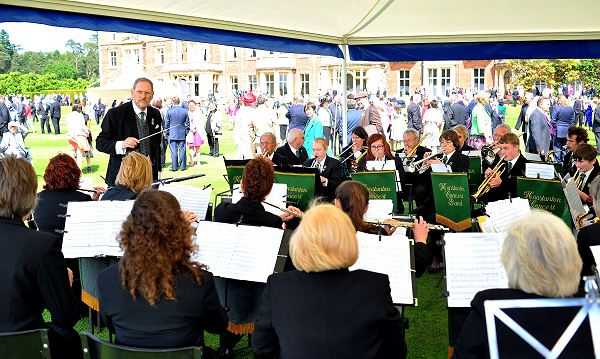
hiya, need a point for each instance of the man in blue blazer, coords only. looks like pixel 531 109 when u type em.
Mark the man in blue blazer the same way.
pixel 540 129
pixel 177 116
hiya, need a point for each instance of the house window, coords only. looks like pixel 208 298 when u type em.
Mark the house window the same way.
pixel 234 83
pixel 270 84
pixel 251 53
pixel 439 81
pixel 215 86
pixel 305 84
pixel 360 80
pixel 403 82
pixel 159 56
pixel 133 56
pixel 252 82
pixel 479 79
pixel 283 83
pixel 232 53
pixel 113 59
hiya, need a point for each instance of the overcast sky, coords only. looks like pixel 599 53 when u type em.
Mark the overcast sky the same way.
pixel 37 37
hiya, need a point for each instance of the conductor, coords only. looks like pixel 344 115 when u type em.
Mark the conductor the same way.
pixel 124 126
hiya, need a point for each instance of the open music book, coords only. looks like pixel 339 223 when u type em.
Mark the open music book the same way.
pixel 277 196
pixel 539 170
pixel 502 213
pixel 392 256
pixel 192 199
pixel 238 252
pixel 472 265
pixel 92 228
pixel 379 209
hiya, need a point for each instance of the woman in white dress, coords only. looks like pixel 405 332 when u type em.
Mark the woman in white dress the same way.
pixel 433 123
pixel 399 125
pixel 195 138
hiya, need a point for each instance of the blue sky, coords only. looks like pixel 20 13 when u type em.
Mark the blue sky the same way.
pixel 37 37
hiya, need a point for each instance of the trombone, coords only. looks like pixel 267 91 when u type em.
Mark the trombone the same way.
pixel 354 162
pixel 484 187
pixel 412 152
pixel 420 164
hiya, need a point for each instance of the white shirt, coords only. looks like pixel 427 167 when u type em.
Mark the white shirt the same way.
pixel 119 144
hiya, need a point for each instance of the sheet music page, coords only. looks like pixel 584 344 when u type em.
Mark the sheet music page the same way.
pixel 486 225
pixel 238 252
pixel 92 228
pixel 472 264
pixel 474 153
pixel 278 197
pixel 532 157
pixel 87 183
pixel 192 199
pixel 573 200
pixel 544 170
pixel 502 213
pixel 596 254
pixel 440 167
pixel 391 256
pixel 379 209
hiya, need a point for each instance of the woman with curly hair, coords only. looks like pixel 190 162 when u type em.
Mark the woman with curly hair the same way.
pixel 157 296
pixel 243 298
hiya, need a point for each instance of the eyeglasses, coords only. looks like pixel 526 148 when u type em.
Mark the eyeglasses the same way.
pixel 376 147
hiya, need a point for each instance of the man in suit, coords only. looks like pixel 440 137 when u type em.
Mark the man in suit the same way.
pixel 177 117
pixel 370 116
pixel 293 152
pixel 596 127
pixel 4 117
pixel 522 119
pixel 505 185
pixel 590 235
pixel 42 109
pixel 124 126
pixel 587 169
pixel 458 110
pixel 540 129
pixel 296 115
pixel 99 109
pixel 414 113
pixel 576 136
pixel 268 144
pixel 579 111
pixel 451 156
pixel 330 169
pixel 352 119
pixel 55 114
pixel 336 112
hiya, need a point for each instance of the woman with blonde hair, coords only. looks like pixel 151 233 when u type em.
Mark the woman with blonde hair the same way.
pixel 323 310
pixel 541 261
pixel 134 175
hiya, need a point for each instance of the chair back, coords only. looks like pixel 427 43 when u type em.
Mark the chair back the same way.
pixel 26 344
pixel 95 348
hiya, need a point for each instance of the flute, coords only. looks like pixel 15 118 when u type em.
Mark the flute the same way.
pixel 92 190
pixel 295 214
pixel 395 223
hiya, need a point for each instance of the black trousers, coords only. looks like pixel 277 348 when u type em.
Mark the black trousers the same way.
pixel 56 125
pixel 213 143
pixel 45 122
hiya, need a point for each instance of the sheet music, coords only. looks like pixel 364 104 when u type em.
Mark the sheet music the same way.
pixel 278 197
pixel 440 167
pixel 486 225
pixel 92 228
pixel 192 199
pixel 391 256
pixel 596 254
pixel 475 153
pixel 87 183
pixel 576 207
pixel 545 171
pixel 379 209
pixel 532 157
pixel 472 264
pixel 238 252
pixel 387 165
pixel 502 213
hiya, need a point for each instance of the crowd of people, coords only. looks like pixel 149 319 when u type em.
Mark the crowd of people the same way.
pixel 156 296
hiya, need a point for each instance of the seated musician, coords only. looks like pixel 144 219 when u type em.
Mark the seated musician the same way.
pixel 413 152
pixel 590 235
pixel 463 135
pixel 353 198
pixel 33 275
pixel 350 155
pixel 501 130
pixel 243 298
pixel 268 144
pixel 576 136
pixel 323 310
pixel 292 153
pixel 587 169
pixel 330 169
pixel 505 185
pixel 541 261
pixel 411 145
pixel 451 154
pixel 135 174
pixel 157 296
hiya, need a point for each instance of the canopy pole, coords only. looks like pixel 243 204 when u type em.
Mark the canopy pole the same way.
pixel 344 96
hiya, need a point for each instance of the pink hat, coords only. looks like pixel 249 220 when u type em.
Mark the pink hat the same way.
pixel 248 98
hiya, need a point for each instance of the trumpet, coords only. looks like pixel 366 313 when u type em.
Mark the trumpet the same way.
pixel 420 165
pixel 484 187
pixel 412 152
pixel 585 219
pixel 396 223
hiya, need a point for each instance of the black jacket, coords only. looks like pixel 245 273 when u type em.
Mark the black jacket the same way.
pixel 334 173
pixel 332 314
pixel 588 236
pixel 119 193
pixel 284 156
pixel 509 182
pixel 120 123
pixel 248 212
pixel 51 204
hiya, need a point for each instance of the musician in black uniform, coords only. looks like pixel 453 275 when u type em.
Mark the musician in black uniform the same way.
pixel 330 168
pixel 505 185
pixel 411 147
pixel 587 169
pixel 292 153
pixel 575 136
pixel 500 131
pixel 590 235
pixel 351 153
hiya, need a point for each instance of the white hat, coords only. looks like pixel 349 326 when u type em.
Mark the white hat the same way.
pixel 13 124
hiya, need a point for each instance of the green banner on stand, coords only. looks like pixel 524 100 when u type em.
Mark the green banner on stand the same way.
pixel 235 170
pixel 301 187
pixel 545 194
pixel 474 171
pixel 452 201
pixel 381 184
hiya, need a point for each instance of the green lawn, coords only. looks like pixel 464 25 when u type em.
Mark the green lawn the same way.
pixel 427 336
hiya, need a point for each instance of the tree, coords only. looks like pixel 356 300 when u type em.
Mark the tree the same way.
pixel 7 51
pixel 590 71
pixel 566 71
pixel 62 69
pixel 90 60
pixel 77 50
pixel 527 72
